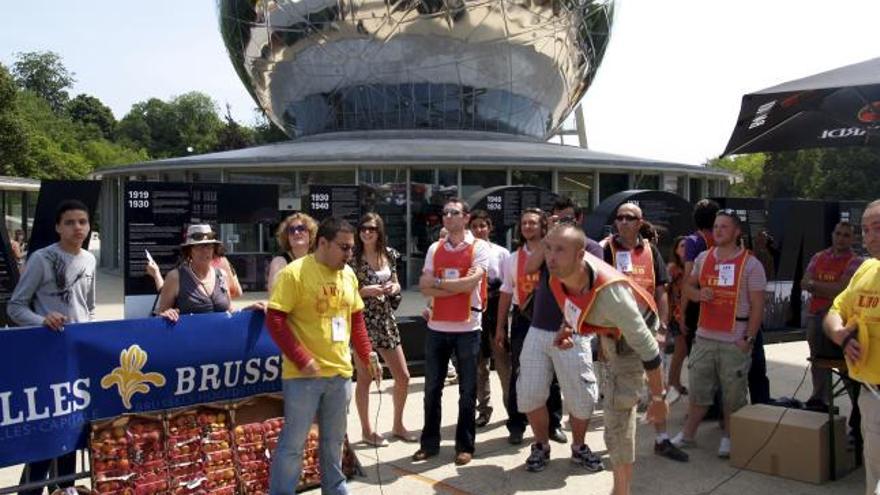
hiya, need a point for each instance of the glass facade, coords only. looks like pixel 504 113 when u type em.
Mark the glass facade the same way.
pixel 612 184
pixel 495 65
pixel 473 181
pixel 578 186
pixel 696 189
pixel 646 181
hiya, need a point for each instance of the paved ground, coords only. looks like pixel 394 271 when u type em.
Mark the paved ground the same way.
pixel 498 466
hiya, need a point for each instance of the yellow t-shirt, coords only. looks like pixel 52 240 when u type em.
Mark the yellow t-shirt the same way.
pixel 319 302
pixel 861 300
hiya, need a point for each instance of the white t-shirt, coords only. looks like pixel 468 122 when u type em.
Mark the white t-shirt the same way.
pixel 481 259
pixel 497 261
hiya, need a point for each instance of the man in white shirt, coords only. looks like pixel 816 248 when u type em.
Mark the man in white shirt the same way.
pixel 452 277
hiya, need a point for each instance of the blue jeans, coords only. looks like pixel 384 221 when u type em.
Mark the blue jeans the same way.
pixel 439 348
pixel 304 398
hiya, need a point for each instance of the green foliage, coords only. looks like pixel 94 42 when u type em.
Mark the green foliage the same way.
pixel 45 74
pixel 13 138
pixel 88 110
pixel 44 134
pixel 828 173
pixel 750 170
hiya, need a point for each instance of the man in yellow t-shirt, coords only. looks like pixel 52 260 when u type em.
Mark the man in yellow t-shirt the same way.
pixel 853 322
pixel 315 312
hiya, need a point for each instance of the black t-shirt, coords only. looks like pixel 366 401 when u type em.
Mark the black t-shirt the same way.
pixel 661 274
pixel 546 314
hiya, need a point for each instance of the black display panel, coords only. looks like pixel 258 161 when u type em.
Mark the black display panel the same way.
pixel 156 215
pixel 506 203
pixel 52 194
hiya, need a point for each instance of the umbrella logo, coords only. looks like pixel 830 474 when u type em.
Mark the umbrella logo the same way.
pixel 870 113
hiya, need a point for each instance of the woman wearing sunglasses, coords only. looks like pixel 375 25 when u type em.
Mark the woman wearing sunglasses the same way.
pixel 296 238
pixel 197 285
pixel 374 263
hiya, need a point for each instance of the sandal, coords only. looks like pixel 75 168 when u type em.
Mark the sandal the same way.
pixel 408 437
pixel 375 440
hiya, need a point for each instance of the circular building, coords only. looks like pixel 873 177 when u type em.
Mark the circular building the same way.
pixel 421 99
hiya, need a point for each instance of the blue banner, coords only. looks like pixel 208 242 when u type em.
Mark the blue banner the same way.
pixel 52 384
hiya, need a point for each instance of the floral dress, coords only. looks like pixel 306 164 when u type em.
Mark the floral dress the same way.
pixel 379 311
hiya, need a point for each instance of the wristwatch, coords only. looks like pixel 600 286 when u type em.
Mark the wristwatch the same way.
pixel 437 282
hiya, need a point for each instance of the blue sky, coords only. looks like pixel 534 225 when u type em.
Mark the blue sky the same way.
pixel 669 87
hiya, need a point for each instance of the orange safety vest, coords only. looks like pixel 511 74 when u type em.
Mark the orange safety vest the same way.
pixel 828 268
pixel 525 282
pixel 452 265
pixel 642 264
pixel 719 314
pixel 605 276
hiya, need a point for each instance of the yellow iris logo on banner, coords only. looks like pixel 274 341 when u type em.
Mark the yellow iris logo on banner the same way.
pixel 128 377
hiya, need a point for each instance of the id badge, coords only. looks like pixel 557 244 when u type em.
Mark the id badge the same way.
pixel 572 314
pixel 339 326
pixel 450 273
pixel 726 275
pixel 624 261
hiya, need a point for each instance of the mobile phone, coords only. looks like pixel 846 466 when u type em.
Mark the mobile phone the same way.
pixel 149 258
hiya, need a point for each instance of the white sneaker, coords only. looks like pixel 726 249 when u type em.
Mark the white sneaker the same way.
pixel 724 448
pixel 681 442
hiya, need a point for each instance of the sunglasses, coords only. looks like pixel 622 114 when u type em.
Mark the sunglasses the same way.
pixel 369 229
pixel 297 229
pixel 627 218
pixel 201 236
pixel 451 212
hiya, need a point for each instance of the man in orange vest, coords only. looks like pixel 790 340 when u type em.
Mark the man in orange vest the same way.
pixel 853 323
pixel 518 286
pixel 452 276
pixel 641 261
pixel 729 284
pixel 827 275
pixel 596 300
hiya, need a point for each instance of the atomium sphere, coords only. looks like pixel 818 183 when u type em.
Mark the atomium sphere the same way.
pixel 512 66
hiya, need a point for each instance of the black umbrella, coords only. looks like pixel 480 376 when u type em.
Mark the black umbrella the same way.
pixel 840 107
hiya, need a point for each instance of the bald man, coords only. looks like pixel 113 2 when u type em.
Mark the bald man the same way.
pixel 596 300
pixel 642 262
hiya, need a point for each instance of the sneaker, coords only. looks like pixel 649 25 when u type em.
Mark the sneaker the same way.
pixel 666 449
pixel 585 458
pixel 483 419
pixel 681 442
pixel 724 448
pixel 538 458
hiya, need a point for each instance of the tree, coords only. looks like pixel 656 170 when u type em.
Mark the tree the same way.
pixel 13 137
pixel 266 132
pixel 45 74
pixel 750 169
pixel 233 136
pixel 88 110
pixel 187 124
pixel 197 121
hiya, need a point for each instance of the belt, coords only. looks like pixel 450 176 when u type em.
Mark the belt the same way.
pixel 742 318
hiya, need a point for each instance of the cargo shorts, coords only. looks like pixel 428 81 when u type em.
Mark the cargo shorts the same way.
pixel 713 364
pixel 624 381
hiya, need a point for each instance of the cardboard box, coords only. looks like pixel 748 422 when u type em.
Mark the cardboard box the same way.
pixel 797 448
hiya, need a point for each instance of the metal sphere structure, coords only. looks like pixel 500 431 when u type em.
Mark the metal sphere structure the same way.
pixel 512 66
